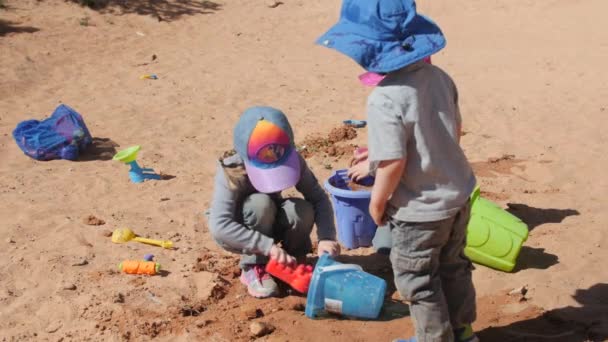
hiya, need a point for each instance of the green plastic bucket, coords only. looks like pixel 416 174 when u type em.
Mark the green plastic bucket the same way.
pixel 494 236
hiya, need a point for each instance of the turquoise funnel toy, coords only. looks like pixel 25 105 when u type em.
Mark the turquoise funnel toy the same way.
pixel 136 173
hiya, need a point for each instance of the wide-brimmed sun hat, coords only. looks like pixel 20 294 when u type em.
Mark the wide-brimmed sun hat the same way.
pixel 383 35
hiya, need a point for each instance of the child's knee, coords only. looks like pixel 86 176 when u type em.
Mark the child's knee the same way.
pixel 298 214
pixel 418 287
pixel 259 212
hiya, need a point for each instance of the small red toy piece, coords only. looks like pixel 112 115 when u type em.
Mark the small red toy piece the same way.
pixel 298 278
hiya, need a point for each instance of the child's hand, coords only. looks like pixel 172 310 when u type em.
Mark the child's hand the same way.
pixel 277 253
pixel 359 164
pixel 359 171
pixel 330 247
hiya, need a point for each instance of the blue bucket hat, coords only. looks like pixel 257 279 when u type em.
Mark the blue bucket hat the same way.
pixel 383 35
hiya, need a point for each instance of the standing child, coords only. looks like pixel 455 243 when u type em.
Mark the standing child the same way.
pixel 423 179
pixel 248 214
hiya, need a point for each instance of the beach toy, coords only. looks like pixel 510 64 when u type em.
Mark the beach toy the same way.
pixel 123 235
pixel 148 257
pixel 356 228
pixel 136 173
pixel 148 77
pixel 360 150
pixel 494 236
pixel 298 278
pixel 344 289
pixel 355 123
pixel 139 267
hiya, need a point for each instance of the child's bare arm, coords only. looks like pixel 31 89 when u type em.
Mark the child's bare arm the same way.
pixel 388 175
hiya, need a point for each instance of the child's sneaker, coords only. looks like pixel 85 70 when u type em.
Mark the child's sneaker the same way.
pixel 465 334
pixel 259 283
pixel 462 334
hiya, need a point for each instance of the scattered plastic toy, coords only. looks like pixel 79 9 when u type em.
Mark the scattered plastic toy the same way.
pixel 148 77
pixel 355 226
pixel 360 150
pixel 139 267
pixel 149 257
pixel 355 123
pixel 136 173
pixel 124 235
pixel 298 278
pixel 344 289
pixel 494 236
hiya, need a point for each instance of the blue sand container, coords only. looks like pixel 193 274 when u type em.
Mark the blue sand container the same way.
pixel 494 236
pixel 356 228
pixel 355 123
pixel 344 289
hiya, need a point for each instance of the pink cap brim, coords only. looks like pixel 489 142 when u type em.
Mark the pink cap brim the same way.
pixel 275 179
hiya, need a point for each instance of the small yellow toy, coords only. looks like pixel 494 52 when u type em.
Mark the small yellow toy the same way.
pixel 124 235
pixel 148 77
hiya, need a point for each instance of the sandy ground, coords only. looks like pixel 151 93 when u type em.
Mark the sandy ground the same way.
pixel 533 88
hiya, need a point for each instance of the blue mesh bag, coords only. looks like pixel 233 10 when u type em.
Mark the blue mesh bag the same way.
pixel 61 136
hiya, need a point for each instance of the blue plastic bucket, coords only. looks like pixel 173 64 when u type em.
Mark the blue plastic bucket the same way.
pixel 356 228
pixel 344 289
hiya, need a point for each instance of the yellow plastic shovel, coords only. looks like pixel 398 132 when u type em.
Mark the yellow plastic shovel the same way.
pixel 124 235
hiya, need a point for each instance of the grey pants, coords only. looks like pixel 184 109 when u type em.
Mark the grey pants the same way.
pixel 432 272
pixel 289 221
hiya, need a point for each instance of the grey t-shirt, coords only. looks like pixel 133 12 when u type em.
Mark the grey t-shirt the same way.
pixel 231 188
pixel 413 114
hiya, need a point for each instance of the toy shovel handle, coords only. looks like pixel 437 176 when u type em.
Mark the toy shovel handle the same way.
pixel 163 244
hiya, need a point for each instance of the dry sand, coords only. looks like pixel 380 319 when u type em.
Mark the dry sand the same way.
pixel 533 88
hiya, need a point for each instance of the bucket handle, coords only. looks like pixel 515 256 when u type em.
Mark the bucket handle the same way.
pixel 337 268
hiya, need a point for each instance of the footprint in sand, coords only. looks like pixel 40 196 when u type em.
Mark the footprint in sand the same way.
pixel 495 167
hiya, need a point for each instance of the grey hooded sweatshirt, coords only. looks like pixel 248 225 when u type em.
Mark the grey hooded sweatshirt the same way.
pixel 232 187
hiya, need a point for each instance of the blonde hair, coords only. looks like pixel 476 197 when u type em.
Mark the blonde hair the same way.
pixel 235 174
